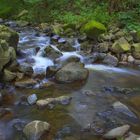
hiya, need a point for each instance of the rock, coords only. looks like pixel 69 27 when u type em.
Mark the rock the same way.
pixel 32 99
pixel 55 38
pixel 18 124
pixel 35 129
pixel 119 107
pixel 61 40
pixel 63 100
pixel 8 76
pixel 22 23
pixel 119 34
pixel 27 83
pixel 11 24
pixel 52 53
pixel 117 132
pixel 95 57
pixel 57 29
pixel 93 29
pixel 1 20
pixel 69 32
pixel 70 59
pixel 86 46
pixel 82 38
pixel 121 46
pixel 103 47
pixel 9 35
pixel 124 57
pixel 111 60
pixel 136 36
pixel 7 54
pixel 129 38
pixel 46 85
pixel 43 26
pixel 6 113
pixel 131 59
pixel 107 37
pixel 19 75
pixel 137 62
pixel 66 47
pixel 72 72
pixel 13 66
pixel 51 71
pixel 136 50
pixel 132 136
pixel 26 69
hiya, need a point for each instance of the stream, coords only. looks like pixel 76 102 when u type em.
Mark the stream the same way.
pixel 90 113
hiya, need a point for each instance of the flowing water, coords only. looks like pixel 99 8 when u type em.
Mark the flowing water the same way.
pixel 90 113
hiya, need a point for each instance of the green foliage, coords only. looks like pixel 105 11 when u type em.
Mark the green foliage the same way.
pixel 73 11
pixel 8 8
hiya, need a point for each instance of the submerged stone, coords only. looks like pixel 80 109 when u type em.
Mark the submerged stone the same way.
pixel 119 107
pixel 35 129
pixel 117 132
pixel 63 100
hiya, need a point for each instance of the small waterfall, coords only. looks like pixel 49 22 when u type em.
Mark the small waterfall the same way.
pixel 29 42
pixel 77 45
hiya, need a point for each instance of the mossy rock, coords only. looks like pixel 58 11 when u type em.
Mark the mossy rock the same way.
pixel 93 29
pixel 7 54
pixel 136 50
pixel 121 46
pixel 9 35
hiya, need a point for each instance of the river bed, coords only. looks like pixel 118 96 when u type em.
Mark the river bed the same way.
pixel 90 113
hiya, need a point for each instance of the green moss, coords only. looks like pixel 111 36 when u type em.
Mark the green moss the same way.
pixel 93 29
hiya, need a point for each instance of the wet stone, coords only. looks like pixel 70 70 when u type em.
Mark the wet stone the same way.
pixel 63 132
pixel 117 132
pixel 18 124
pixel 32 99
pixel 119 107
pixel 35 129
pixel 61 40
pixel 6 113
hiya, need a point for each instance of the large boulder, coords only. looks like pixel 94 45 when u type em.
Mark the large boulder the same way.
pixel 121 46
pixel 7 54
pixel 72 72
pixel 136 50
pixel 93 29
pixel 35 129
pixel 9 35
pixel 111 60
pixel 8 76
